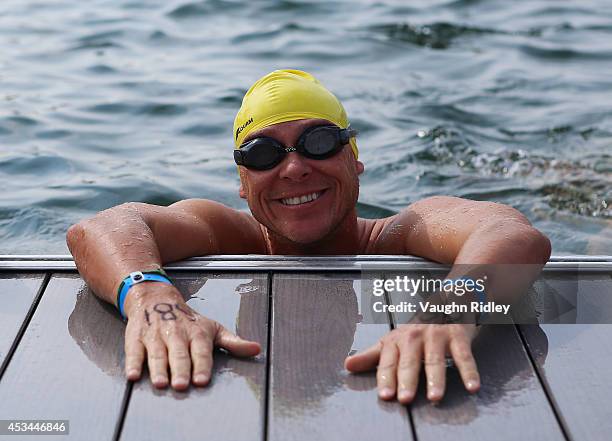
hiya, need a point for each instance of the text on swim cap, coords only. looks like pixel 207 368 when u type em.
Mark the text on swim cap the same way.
pixel 242 127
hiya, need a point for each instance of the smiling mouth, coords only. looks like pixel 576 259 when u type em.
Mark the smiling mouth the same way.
pixel 299 200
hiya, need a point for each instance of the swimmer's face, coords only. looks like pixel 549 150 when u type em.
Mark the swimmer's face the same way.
pixel 334 180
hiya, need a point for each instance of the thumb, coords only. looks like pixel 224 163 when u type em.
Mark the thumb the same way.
pixel 236 345
pixel 365 360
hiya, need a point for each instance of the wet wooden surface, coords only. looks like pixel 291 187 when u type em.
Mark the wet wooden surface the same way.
pixel 17 293
pixel 574 359
pixel 510 395
pixel 315 325
pixel 68 364
pixel 510 405
pixel 538 382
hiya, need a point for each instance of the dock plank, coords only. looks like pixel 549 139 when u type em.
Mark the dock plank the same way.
pixel 511 396
pixel 17 293
pixel 316 323
pixel 66 366
pixel 574 359
pixel 510 405
pixel 232 407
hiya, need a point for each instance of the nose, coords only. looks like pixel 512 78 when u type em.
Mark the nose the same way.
pixel 295 167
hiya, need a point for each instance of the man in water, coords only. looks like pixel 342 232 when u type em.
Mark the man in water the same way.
pixel 299 172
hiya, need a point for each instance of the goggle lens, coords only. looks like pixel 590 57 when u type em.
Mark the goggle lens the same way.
pixel 264 154
pixel 320 142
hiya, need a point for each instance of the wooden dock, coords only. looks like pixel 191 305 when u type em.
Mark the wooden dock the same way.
pixel 61 357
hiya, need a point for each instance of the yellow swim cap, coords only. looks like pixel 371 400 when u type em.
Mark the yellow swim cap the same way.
pixel 287 95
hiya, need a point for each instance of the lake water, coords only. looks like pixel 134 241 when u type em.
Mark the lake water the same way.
pixel 111 101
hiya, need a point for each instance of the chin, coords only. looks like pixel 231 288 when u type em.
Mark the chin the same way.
pixel 304 233
pixel 304 239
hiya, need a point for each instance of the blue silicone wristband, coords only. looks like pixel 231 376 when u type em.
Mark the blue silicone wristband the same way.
pixel 134 279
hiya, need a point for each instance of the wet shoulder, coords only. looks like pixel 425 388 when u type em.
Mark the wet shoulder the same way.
pixel 383 236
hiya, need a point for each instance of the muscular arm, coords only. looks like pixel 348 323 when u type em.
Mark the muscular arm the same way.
pixel 460 231
pixel 474 237
pixel 137 237
pixel 477 237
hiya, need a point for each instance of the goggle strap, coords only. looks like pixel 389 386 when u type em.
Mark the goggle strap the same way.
pixel 347 134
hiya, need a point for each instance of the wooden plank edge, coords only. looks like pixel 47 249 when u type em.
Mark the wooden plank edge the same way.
pixel 25 323
pixel 545 385
pixel 265 435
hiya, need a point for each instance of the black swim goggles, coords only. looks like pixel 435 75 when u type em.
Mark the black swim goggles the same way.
pixel 318 142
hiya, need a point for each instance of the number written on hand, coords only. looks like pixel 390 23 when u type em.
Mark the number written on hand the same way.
pixel 165 311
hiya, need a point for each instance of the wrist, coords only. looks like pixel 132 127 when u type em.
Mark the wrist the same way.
pixel 135 278
pixel 463 293
pixel 144 294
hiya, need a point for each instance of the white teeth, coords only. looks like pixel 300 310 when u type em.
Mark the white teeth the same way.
pixel 301 199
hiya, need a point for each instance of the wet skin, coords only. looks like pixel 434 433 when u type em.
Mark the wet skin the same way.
pixel 443 229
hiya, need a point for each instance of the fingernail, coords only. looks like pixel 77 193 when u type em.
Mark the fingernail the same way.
pixel 132 373
pixel 160 380
pixel 180 383
pixel 435 393
pixel 386 392
pixel 404 395
pixel 200 379
pixel 472 385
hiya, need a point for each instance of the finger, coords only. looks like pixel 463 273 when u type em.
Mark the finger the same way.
pixel 365 360
pixel 236 345
pixel 201 354
pixel 157 357
pixel 386 374
pixel 461 351
pixel 134 357
pixel 435 362
pixel 180 362
pixel 411 353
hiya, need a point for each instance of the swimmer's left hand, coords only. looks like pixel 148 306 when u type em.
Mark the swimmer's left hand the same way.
pixel 399 354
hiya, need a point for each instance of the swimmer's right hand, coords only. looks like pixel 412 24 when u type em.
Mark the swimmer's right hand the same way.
pixel 168 332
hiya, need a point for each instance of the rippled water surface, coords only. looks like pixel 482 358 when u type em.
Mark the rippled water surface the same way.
pixel 111 101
